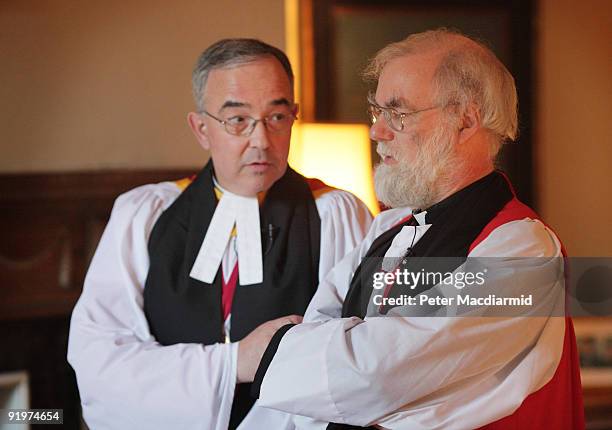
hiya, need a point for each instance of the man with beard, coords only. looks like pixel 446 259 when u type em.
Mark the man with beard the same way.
pixel 192 278
pixel 442 108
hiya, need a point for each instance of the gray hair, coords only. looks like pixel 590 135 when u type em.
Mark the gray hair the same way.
pixel 469 72
pixel 230 52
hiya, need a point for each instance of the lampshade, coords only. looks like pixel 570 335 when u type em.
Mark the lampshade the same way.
pixel 337 154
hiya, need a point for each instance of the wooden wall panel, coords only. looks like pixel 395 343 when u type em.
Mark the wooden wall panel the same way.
pixel 50 225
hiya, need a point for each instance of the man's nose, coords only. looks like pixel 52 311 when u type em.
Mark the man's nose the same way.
pixel 259 137
pixel 380 130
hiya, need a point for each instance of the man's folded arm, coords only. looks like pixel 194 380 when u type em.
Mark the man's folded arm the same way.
pixel 333 286
pixel 425 372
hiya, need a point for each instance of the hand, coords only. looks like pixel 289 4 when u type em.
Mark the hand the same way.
pixel 252 347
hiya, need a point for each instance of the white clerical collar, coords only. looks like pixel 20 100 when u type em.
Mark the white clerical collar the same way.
pixel 420 217
pixel 243 212
pixel 402 243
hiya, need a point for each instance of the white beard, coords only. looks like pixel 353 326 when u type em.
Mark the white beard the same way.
pixel 420 183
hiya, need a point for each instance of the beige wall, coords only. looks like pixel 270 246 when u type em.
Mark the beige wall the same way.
pixel 91 85
pixel 574 138
pixel 106 84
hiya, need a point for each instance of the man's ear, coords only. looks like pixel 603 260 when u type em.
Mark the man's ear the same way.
pixel 470 122
pixel 199 129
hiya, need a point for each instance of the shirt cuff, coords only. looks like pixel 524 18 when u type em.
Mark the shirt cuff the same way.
pixel 267 359
pixel 233 353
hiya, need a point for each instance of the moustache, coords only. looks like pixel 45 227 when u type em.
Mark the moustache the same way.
pixel 256 157
pixel 384 151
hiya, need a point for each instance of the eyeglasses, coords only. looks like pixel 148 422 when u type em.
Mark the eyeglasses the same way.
pixel 243 125
pixel 394 118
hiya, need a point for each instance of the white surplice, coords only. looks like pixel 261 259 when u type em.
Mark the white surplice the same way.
pixel 426 372
pixel 126 379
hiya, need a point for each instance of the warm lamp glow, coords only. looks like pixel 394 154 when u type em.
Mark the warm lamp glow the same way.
pixel 292 45
pixel 337 154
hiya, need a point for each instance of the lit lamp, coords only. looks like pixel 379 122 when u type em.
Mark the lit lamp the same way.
pixel 337 154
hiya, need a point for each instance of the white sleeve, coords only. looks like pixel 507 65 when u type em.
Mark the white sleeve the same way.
pixel 344 222
pixel 426 373
pixel 332 289
pixel 125 378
